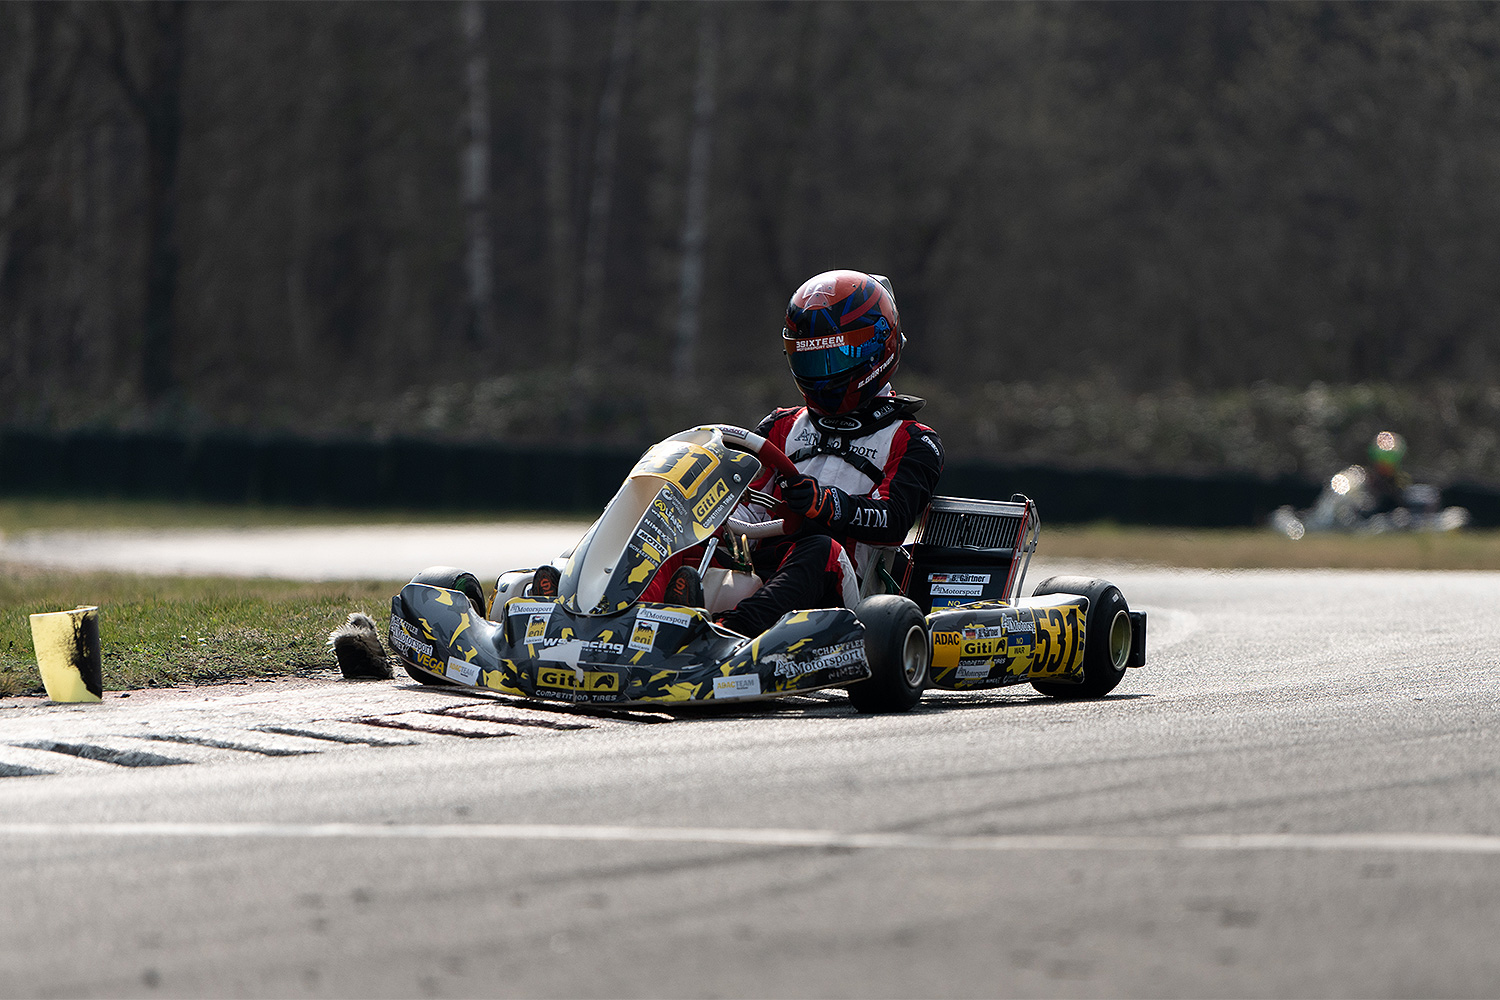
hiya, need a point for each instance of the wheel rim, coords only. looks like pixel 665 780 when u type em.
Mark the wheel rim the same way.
pixel 1119 640
pixel 914 656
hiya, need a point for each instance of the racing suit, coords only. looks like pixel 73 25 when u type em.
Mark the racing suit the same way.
pixel 877 468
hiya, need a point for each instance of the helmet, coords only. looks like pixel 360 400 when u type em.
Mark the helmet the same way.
pixel 842 339
pixel 1388 449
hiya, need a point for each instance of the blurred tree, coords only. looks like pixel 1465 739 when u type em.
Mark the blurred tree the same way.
pixel 695 215
pixel 263 215
pixel 144 47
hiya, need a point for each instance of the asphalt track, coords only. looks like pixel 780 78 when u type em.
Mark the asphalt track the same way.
pixel 1299 795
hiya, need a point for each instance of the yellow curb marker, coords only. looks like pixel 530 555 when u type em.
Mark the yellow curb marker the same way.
pixel 67 651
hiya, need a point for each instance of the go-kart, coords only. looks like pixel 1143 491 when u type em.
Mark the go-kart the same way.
pixel 943 610
pixel 1348 503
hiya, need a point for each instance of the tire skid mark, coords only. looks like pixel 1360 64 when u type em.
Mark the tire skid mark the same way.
pixel 389 722
pixel 107 755
pixel 479 713
pixel 314 734
pixel 219 743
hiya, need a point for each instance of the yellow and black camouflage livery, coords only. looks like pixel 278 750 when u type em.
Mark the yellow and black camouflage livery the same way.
pixel 989 644
pixel 647 654
pixel 597 642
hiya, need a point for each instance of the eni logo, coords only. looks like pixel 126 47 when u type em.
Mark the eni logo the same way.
pixel 718 491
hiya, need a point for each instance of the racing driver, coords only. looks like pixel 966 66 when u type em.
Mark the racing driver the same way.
pixel 868 469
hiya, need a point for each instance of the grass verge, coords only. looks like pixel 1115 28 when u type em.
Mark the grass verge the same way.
pixel 163 632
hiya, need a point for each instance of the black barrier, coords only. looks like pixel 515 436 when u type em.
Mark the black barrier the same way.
pixel 235 469
pixel 426 475
pixel 1074 496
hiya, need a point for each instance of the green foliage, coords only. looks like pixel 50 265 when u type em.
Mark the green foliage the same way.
pixel 157 632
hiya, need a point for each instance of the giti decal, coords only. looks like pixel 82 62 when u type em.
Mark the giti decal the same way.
pixel 643 636
pixel 983 642
pixel 567 680
pixel 718 491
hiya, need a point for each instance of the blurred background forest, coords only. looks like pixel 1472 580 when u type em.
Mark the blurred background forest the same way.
pixel 1190 237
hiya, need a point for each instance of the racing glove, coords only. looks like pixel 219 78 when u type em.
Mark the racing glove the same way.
pixel 824 504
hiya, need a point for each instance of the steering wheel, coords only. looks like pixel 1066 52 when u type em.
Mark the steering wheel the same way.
pixel 786 522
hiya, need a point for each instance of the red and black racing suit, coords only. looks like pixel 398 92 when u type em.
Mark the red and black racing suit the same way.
pixel 883 468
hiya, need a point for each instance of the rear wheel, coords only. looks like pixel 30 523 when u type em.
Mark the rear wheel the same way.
pixel 449 578
pixel 897 646
pixel 1107 637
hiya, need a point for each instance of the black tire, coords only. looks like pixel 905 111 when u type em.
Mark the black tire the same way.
pixel 449 578
pixel 899 650
pixel 1106 639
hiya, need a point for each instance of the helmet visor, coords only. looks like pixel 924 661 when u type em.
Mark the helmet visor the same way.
pixel 822 357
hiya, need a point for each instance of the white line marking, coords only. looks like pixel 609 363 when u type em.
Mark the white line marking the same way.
pixel 1448 843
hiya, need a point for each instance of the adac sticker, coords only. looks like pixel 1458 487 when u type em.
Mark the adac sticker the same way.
pixel 462 670
pixel 743 686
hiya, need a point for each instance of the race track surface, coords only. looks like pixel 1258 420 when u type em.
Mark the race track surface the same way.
pixel 1299 795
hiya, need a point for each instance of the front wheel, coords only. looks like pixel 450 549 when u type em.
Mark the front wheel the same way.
pixel 1106 642
pixel 898 649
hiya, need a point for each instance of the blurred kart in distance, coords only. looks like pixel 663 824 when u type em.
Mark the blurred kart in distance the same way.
pixel 1349 505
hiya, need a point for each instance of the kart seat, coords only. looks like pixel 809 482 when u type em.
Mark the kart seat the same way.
pixel 970 550
pixel 724 588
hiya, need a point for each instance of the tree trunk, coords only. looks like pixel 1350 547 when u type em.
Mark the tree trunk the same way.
pixel 156 99
pixel 479 249
pixel 20 54
pixel 596 237
pixel 561 242
pixel 695 215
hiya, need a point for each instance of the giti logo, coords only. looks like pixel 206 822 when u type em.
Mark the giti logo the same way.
pixel 567 680
pixel 718 491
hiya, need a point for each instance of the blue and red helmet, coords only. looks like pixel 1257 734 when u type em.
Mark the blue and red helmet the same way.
pixel 843 339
